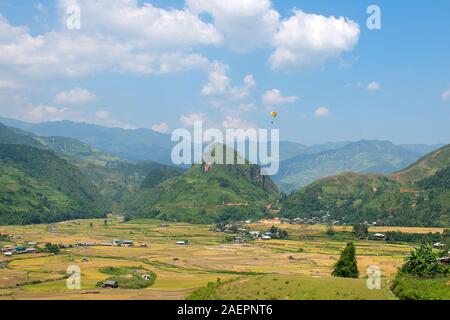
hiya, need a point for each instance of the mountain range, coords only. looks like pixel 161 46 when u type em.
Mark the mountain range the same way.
pixel 48 178
pixel 134 145
pixel 317 162
pixel 417 196
pixel 299 166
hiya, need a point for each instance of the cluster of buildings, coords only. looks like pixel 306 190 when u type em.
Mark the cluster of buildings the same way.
pixel 28 248
pixel 319 220
pixel 325 219
pixel 242 234
pixel 31 247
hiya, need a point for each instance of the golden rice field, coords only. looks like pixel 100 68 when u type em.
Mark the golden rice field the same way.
pixel 300 267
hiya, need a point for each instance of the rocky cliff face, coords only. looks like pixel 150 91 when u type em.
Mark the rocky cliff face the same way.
pixel 250 171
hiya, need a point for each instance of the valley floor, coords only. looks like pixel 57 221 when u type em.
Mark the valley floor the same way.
pixel 298 268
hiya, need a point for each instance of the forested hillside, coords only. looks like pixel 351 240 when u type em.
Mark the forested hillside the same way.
pixel 37 186
pixel 418 195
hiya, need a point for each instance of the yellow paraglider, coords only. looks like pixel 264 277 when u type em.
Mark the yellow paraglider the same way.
pixel 274 114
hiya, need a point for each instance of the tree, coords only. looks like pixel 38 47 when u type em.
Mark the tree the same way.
pixel 423 262
pixel 52 248
pixel 361 230
pixel 330 230
pixel 446 234
pixel 347 266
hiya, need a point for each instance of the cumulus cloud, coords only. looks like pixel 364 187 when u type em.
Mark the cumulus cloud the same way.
pixel 75 96
pixel 127 36
pixel 189 120
pixel 445 96
pixel 310 39
pixel 374 86
pixel 322 112
pixel 161 127
pixel 219 84
pixel 22 108
pixel 103 117
pixel 145 26
pixel 245 25
pixel 42 113
pixel 120 36
pixel 274 98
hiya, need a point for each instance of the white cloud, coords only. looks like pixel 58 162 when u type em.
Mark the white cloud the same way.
pixel 445 95
pixel 75 96
pixel 373 86
pixel 274 98
pixel 104 118
pixel 219 84
pixel 188 121
pixel 245 24
pixel 21 108
pixel 161 127
pixel 231 122
pixel 310 39
pixel 119 36
pixel 42 113
pixel 322 112
pixel 144 26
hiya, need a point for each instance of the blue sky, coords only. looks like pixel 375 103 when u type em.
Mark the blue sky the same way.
pixel 344 82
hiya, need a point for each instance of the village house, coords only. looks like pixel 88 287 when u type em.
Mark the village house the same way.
pixel 379 236
pixel 439 245
pixel 182 243
pixel 445 260
pixel 31 250
pixel 128 243
pixel 110 284
pixel 255 234
pixel 117 242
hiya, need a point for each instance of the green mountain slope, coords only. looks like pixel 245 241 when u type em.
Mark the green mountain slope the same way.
pixel 207 194
pixel 114 177
pixel 361 157
pixel 37 186
pixel 418 195
pixel 426 166
pixel 10 135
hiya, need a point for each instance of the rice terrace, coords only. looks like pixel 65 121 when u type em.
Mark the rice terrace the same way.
pixel 206 267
